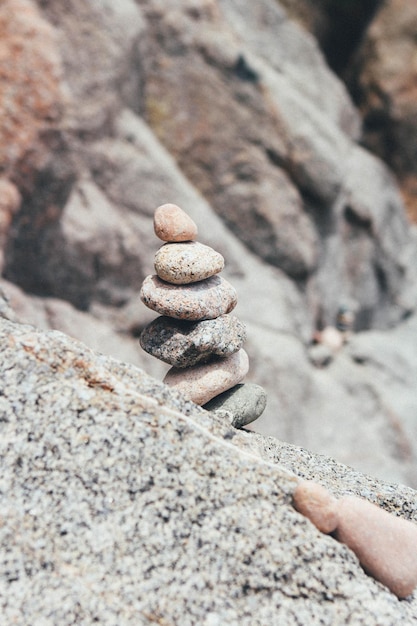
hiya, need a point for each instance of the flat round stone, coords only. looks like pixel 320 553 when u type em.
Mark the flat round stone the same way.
pixel 189 262
pixel 184 344
pixel 171 223
pixel 201 383
pixel 244 403
pixel 204 300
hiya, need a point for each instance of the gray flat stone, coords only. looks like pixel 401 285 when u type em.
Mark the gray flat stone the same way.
pixel 199 301
pixel 244 403
pixel 189 262
pixel 183 344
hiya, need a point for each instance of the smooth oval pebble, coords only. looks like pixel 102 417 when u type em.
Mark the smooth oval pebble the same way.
pixel 385 545
pixel 171 223
pixel 201 383
pixel 244 402
pixel 189 262
pixel 316 503
pixel 184 344
pixel 204 300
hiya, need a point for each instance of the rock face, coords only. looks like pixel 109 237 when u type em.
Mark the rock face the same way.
pixel 30 85
pixel 383 82
pixel 228 109
pixel 139 507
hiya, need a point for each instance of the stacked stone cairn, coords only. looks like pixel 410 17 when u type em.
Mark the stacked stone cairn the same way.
pixel 195 332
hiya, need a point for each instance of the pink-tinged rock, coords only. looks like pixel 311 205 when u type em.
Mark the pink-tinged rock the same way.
pixel 385 545
pixel 201 383
pixel 316 503
pixel 173 224
pixel 331 337
pixel 204 300
pixel 188 262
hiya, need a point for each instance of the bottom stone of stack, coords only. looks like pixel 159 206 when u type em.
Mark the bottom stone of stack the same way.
pixel 243 403
pixel 203 382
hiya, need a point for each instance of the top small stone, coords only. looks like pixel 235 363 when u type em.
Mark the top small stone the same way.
pixel 172 224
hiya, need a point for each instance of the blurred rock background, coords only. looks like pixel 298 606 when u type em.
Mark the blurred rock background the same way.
pixel 287 130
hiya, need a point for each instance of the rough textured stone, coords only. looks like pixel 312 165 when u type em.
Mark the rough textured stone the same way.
pixel 202 382
pixel 138 506
pixel 385 545
pixel 199 301
pixel 243 403
pixel 272 159
pixel 30 82
pixel 183 263
pixel 183 344
pixel 10 200
pixel 383 81
pixel 171 223
pixel 316 503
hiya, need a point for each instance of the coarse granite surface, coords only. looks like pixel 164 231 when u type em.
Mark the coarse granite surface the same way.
pixel 122 503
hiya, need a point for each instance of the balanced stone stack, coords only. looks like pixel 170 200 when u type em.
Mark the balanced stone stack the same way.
pixel 196 332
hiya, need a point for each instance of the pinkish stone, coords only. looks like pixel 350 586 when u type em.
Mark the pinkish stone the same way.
pixel 316 503
pixel 204 300
pixel 385 545
pixel 201 383
pixel 189 262
pixel 173 224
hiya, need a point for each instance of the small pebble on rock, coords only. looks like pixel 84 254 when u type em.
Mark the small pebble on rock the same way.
pixel 184 344
pixel 245 402
pixel 316 503
pixel 173 224
pixel 331 337
pixel 385 545
pixel 201 383
pixel 199 301
pixel 189 262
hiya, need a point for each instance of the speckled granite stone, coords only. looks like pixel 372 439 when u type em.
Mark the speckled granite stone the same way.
pixel 203 382
pixel 199 301
pixel 244 403
pixel 183 344
pixel 123 503
pixel 184 263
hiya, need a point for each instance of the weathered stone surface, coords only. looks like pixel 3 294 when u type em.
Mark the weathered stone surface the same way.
pixel 203 382
pixel 171 223
pixel 383 80
pixel 10 200
pixel 316 503
pixel 385 545
pixel 243 403
pixel 183 263
pixel 30 83
pixel 130 469
pixel 272 158
pixel 199 301
pixel 183 344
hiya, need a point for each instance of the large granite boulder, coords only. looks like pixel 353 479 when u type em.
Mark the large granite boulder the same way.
pixel 122 503
pixel 229 110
